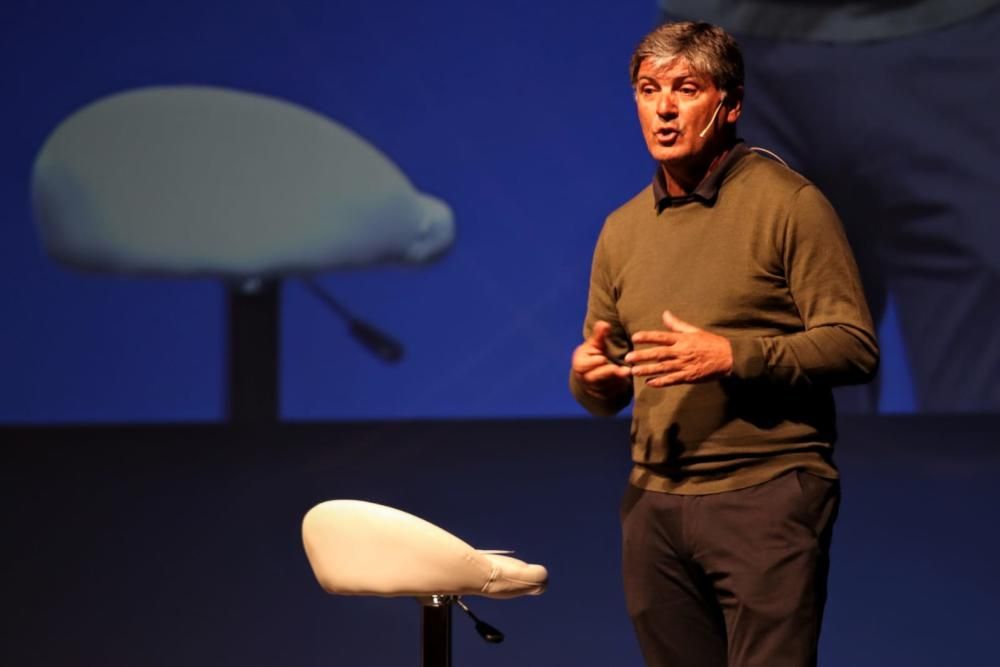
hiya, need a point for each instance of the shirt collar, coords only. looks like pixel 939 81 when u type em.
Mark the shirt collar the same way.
pixel 707 190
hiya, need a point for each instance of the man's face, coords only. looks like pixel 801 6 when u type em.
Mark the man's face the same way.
pixel 675 104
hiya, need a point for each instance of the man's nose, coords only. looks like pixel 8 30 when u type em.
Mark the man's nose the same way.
pixel 666 104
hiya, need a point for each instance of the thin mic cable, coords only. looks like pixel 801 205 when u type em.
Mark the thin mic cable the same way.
pixel 771 154
pixel 381 344
pixel 714 116
pixel 485 630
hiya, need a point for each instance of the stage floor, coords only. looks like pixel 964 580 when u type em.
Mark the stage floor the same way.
pixel 179 544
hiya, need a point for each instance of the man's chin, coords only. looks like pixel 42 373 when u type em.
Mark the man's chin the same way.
pixel 673 155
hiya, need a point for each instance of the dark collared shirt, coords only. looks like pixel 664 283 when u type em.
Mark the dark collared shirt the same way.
pixel 707 190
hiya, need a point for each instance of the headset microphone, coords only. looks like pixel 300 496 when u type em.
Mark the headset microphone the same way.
pixel 714 116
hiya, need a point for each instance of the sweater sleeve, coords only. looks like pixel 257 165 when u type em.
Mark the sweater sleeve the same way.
pixel 837 344
pixel 601 305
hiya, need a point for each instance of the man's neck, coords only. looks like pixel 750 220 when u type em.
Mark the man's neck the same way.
pixel 683 179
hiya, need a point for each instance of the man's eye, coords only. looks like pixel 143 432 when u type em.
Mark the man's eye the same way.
pixel 688 90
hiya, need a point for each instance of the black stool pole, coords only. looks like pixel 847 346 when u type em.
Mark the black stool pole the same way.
pixel 254 342
pixel 436 631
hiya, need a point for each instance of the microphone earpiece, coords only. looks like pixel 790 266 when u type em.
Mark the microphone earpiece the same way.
pixel 722 101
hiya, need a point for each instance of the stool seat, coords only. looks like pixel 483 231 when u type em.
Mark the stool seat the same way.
pixel 362 548
pixel 201 181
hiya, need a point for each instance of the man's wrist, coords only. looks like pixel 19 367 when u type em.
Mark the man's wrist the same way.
pixel 748 358
pixel 729 360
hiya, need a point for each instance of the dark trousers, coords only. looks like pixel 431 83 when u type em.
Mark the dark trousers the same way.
pixel 736 578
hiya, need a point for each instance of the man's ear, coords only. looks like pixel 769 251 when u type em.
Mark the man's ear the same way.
pixel 733 101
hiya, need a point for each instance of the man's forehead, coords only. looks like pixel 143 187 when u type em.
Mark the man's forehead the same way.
pixel 668 68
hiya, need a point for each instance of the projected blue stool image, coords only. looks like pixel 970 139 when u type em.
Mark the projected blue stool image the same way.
pixel 192 181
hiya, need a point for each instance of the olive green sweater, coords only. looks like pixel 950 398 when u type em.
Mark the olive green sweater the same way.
pixel 765 263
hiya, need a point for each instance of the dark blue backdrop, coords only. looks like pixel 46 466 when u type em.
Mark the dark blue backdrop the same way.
pixel 518 115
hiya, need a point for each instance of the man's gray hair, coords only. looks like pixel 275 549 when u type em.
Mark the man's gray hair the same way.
pixel 710 50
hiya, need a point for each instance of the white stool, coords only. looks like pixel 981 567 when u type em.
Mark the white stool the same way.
pixel 361 548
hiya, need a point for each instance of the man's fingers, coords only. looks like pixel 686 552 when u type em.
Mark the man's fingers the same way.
pixel 657 368
pixel 657 337
pixel 607 372
pixel 675 328
pixel 668 380
pixel 674 323
pixel 584 363
pixel 599 334
pixel 666 373
pixel 659 353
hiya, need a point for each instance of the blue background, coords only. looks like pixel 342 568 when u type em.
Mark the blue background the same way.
pixel 518 115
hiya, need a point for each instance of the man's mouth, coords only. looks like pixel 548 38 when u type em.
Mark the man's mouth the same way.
pixel 667 135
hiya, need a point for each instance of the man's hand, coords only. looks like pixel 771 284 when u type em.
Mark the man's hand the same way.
pixel 683 354
pixel 598 375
